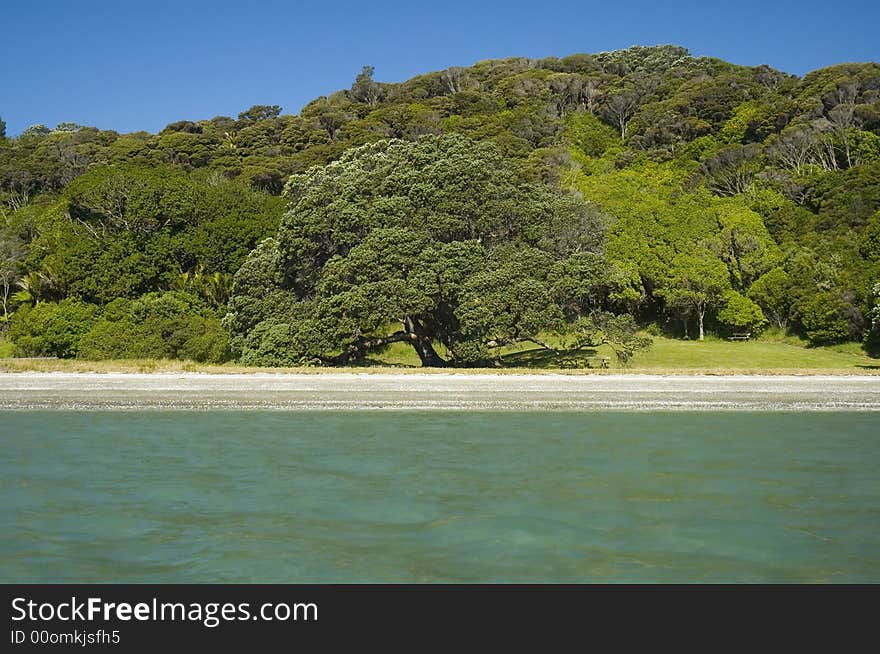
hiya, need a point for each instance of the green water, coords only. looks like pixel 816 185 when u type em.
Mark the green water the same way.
pixel 174 496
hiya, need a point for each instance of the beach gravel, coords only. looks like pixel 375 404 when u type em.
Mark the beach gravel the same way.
pixel 345 391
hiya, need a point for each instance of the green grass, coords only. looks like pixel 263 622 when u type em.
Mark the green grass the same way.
pixel 772 351
pixel 750 355
pixel 770 354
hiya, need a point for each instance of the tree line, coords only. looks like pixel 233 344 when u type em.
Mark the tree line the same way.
pixel 461 212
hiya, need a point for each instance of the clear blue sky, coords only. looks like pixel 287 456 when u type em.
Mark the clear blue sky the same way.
pixel 141 65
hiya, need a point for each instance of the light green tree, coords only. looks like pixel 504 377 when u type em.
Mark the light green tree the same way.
pixel 696 283
pixel 739 312
pixel 772 291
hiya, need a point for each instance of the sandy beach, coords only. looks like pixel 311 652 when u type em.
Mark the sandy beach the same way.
pixel 124 391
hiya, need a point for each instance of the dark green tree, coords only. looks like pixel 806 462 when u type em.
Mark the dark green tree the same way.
pixel 365 89
pixel 259 112
pixel 437 243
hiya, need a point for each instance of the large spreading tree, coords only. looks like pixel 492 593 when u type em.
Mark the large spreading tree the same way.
pixel 440 243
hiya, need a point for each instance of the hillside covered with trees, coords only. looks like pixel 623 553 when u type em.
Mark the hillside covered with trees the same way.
pixel 462 211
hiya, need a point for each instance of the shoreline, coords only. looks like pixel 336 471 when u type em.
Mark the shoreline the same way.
pixel 175 367
pixel 441 391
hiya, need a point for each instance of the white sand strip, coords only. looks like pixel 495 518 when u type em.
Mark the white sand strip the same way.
pixel 114 391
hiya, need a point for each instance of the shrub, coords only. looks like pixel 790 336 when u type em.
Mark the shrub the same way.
pixel 52 328
pixel 171 325
pixel 825 319
pixel 272 343
pixel 739 312
pixel 589 134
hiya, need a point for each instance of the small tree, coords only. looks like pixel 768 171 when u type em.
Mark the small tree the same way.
pixel 732 170
pixel 620 108
pixel 772 291
pixel 825 318
pixel 739 312
pixel 365 89
pixel 259 112
pixel 697 282
pixel 39 130
pixel 11 255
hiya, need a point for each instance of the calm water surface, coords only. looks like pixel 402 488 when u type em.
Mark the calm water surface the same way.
pixel 274 496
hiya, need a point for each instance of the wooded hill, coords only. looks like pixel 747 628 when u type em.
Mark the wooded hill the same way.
pixel 460 211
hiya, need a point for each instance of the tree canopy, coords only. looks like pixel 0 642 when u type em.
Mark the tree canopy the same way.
pixel 466 208
pixel 441 242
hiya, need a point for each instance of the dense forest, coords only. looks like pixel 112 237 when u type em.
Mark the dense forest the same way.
pixel 592 198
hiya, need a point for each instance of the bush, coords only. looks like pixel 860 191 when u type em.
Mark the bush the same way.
pixel 589 134
pixel 122 339
pixel 272 343
pixel 740 312
pixel 826 319
pixel 171 325
pixel 51 328
pixel 870 239
pixel 205 341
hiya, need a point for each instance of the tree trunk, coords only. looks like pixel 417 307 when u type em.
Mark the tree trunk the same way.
pixel 427 354
pixel 701 313
pixel 421 343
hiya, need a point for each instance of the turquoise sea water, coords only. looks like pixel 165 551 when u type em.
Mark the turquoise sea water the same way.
pixel 177 496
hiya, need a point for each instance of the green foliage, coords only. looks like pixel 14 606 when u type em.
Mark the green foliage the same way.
pixel 136 199
pixel 364 88
pixel 171 325
pixel 508 301
pixel 697 282
pixel 443 239
pixel 12 255
pixel 825 318
pixel 256 297
pixel 847 198
pixel 669 156
pixel 741 313
pixel 743 242
pixel 51 328
pixel 450 187
pixel 870 239
pixel 588 134
pixel 274 343
pixel 259 112
pixel 583 282
pixel 122 231
pixel 772 292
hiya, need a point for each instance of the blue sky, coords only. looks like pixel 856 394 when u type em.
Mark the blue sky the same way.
pixel 141 65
